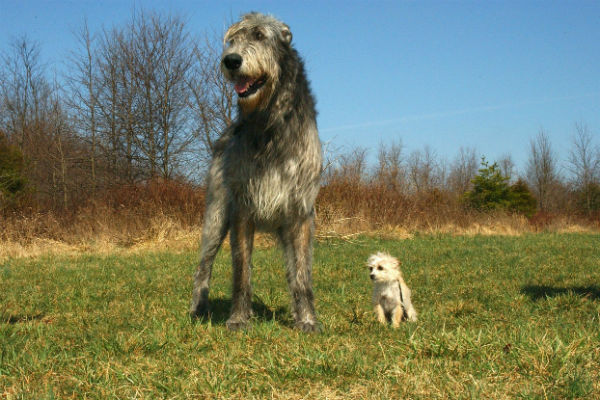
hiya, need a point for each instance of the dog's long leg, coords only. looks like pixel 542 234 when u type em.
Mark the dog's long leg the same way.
pixel 297 244
pixel 242 237
pixel 214 230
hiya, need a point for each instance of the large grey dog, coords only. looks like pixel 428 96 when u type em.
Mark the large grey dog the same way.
pixel 266 168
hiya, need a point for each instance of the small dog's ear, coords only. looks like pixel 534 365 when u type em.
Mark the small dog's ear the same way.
pixel 370 260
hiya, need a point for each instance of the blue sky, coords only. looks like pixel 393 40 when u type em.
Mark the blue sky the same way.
pixel 487 74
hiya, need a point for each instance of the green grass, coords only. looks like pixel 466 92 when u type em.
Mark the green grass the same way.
pixel 499 317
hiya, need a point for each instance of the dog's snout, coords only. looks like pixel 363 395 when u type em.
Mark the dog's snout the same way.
pixel 372 276
pixel 232 61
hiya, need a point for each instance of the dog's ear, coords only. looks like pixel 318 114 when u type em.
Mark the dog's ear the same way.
pixel 369 262
pixel 286 34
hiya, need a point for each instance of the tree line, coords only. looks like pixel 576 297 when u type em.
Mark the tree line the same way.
pixel 136 102
pixel 145 100
pixel 547 184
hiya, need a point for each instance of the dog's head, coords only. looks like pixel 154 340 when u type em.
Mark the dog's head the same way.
pixel 250 59
pixel 383 267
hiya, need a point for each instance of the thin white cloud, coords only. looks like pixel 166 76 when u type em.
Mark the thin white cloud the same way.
pixel 453 113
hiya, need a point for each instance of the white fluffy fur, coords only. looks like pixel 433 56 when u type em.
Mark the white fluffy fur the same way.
pixel 391 295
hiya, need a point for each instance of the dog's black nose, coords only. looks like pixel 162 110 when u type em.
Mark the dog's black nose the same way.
pixel 232 61
pixel 372 277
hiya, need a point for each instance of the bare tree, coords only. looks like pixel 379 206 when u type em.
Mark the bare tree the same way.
pixel 160 61
pixel 131 88
pixel 59 131
pixel 33 113
pixel 390 171
pixel 175 123
pixel 24 90
pixel 542 172
pixel 507 166
pixel 424 171
pixel 349 168
pixel 584 164
pixel 463 169
pixel 82 81
pixel 142 100
pixel 584 158
pixel 212 99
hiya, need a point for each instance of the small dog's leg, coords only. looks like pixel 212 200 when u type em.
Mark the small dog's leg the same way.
pixel 380 314
pixel 297 244
pixel 409 310
pixel 397 315
pixel 214 230
pixel 242 237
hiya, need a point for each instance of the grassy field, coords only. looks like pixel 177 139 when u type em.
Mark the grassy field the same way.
pixel 499 317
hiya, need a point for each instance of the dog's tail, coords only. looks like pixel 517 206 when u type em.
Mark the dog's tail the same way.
pixel 409 311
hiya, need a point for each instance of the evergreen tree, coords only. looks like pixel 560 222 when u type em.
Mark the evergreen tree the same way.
pixel 492 192
pixel 490 189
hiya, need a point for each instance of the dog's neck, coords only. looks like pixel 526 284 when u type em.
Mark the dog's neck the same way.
pixel 383 285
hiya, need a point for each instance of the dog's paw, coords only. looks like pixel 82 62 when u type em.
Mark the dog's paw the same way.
pixel 236 324
pixel 201 311
pixel 412 316
pixel 308 326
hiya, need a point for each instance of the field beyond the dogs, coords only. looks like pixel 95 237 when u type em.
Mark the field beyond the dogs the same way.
pixel 499 317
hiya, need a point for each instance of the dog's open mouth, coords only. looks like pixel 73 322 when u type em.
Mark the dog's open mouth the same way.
pixel 246 86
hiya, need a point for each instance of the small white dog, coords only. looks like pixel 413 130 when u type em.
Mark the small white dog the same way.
pixel 391 296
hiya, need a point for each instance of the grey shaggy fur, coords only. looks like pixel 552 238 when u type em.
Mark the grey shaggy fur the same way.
pixel 266 168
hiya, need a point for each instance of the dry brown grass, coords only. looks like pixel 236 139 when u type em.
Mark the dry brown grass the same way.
pixel 347 208
pixel 164 232
pixel 167 216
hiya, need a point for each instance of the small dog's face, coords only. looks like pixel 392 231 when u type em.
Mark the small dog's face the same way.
pixel 383 267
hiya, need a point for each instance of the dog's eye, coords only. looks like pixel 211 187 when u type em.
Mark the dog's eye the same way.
pixel 380 268
pixel 258 35
pixel 370 268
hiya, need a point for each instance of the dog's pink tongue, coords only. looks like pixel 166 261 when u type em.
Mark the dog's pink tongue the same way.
pixel 241 86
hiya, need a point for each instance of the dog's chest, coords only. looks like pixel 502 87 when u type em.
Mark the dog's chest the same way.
pixel 272 184
pixel 269 190
pixel 387 295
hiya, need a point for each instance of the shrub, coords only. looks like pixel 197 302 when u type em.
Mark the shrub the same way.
pixel 587 199
pixel 521 200
pixel 12 165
